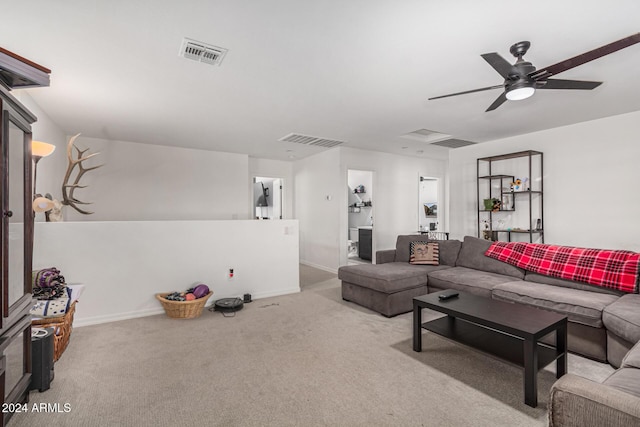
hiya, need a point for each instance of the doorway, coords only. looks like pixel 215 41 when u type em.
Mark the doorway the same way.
pixel 360 213
pixel 428 215
pixel 267 197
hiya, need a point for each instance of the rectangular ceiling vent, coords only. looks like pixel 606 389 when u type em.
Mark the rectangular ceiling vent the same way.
pixel 296 138
pixel 426 135
pixel 202 52
pixel 453 143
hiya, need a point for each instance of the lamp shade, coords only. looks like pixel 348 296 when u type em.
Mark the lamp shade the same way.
pixel 42 204
pixel 520 93
pixel 41 149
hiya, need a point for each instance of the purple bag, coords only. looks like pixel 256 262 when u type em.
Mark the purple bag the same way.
pixel 47 278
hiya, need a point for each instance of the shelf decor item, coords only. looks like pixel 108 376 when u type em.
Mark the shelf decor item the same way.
pixel 72 177
pixel 492 204
pixel 359 189
pixel 507 201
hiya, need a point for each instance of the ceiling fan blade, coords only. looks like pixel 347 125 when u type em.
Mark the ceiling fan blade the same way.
pixel 501 65
pixel 565 65
pixel 498 102
pixel 467 91
pixel 567 84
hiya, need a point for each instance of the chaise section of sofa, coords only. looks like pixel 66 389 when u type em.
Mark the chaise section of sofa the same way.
pixel 384 288
pixel 389 286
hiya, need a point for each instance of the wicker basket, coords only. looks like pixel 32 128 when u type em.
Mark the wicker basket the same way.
pixel 62 327
pixel 183 309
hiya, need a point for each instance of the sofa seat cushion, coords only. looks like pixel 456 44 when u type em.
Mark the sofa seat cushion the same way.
pixel 556 281
pixel 579 306
pixel 625 379
pixel 389 277
pixel 623 317
pixel 467 279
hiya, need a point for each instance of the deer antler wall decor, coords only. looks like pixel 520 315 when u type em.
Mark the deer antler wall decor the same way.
pixel 68 198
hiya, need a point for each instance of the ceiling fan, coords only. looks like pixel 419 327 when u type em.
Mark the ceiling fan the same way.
pixel 522 79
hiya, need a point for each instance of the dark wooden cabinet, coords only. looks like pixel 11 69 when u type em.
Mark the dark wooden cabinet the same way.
pixel 16 230
pixel 365 243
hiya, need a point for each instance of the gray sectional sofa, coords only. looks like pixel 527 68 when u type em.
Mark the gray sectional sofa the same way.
pixel 603 324
pixel 579 402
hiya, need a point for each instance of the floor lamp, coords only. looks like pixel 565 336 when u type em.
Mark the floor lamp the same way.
pixel 38 151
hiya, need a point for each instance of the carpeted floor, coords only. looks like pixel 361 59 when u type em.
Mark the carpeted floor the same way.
pixel 307 359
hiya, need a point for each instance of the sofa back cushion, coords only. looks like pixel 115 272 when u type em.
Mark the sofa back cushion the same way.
pixel 632 358
pixel 613 269
pixel 472 256
pixel 448 248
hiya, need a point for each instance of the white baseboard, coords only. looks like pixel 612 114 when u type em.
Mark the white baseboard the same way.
pixel 319 267
pixel 97 320
pixel 275 293
pixel 108 318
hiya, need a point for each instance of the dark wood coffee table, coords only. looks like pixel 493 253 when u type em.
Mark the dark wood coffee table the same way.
pixel 508 331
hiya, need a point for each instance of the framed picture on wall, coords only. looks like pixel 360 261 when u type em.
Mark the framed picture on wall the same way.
pixel 431 209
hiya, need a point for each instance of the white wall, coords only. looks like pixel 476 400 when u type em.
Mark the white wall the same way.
pixel 124 264
pixel 396 184
pixel 151 182
pixel 318 205
pixel 148 182
pixel 324 223
pixel 590 177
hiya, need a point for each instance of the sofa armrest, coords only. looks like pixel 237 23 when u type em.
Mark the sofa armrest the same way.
pixel 579 402
pixel 384 256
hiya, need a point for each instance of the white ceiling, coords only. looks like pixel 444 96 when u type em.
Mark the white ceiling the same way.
pixel 359 71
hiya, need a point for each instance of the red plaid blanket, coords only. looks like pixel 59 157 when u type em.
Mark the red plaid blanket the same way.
pixel 601 267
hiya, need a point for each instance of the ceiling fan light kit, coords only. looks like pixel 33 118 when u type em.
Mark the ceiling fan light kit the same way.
pixel 520 93
pixel 521 79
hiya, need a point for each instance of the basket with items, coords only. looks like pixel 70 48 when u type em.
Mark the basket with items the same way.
pixel 55 306
pixel 185 305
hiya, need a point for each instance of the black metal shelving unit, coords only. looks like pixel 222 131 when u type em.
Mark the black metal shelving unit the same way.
pixel 530 195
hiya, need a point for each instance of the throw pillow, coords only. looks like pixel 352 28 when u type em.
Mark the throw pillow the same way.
pixel 425 253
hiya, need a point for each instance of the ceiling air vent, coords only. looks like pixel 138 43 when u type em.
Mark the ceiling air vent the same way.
pixel 202 52
pixel 310 140
pixel 426 135
pixel 453 143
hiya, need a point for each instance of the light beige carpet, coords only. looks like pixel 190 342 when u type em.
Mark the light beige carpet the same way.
pixel 306 359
